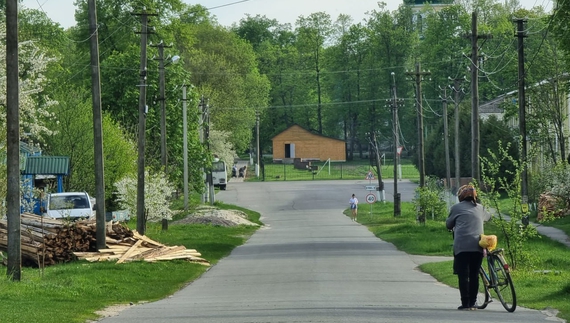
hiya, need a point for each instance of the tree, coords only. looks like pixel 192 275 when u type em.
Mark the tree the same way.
pixel 547 81
pixel 223 69
pixel 75 139
pixel 157 194
pixel 313 33
pixel 347 56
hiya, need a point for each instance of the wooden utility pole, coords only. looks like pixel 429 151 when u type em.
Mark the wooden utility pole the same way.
pixel 395 131
pixel 446 140
pixel 201 134
pixel 257 152
pixel 420 120
pixel 162 100
pixel 521 34
pixel 14 271
pixel 457 90
pixel 475 134
pixel 209 176
pixel 97 128
pixel 141 214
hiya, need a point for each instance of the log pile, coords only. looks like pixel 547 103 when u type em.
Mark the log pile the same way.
pixel 47 241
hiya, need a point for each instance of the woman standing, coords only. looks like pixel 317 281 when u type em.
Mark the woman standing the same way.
pixel 466 220
pixel 353 206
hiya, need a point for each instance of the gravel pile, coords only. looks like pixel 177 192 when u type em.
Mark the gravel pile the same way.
pixel 226 218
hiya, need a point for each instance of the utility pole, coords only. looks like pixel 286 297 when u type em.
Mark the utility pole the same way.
pixel 185 145
pixel 475 134
pixel 209 177
pixel 141 210
pixel 163 155
pixel 521 34
pixel 420 120
pixel 395 130
pixel 446 140
pixel 374 143
pixel 201 133
pixel 14 271
pixel 456 91
pixel 257 148
pixel 100 231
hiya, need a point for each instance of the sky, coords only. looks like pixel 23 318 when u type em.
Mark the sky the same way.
pixel 230 11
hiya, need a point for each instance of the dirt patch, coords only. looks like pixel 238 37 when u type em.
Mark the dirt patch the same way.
pixel 213 216
pixel 110 311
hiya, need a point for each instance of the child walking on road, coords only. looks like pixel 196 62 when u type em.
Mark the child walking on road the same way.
pixel 353 207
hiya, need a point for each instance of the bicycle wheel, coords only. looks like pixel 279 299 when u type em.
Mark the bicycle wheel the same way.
pixel 502 283
pixel 483 297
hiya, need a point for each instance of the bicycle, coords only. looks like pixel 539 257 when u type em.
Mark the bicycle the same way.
pixel 498 279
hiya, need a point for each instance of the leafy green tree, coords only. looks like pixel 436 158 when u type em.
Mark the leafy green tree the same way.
pixel 346 58
pixel 74 138
pixel 515 235
pixel 390 42
pixel 546 91
pixel 559 27
pixel 313 33
pixel 223 69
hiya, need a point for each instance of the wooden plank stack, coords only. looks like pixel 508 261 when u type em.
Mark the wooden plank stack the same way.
pixel 47 241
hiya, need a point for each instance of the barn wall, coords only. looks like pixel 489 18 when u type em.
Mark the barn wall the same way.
pixel 308 145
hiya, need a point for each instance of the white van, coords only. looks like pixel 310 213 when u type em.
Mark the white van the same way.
pixel 219 174
pixel 69 205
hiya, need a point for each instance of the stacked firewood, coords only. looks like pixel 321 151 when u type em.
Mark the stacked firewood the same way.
pixel 47 241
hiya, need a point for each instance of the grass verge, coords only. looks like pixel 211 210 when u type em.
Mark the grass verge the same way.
pixel 72 292
pixel 542 281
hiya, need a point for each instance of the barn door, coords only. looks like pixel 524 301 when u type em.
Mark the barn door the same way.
pixel 289 150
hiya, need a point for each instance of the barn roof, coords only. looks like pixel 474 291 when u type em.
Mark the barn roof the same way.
pixel 308 131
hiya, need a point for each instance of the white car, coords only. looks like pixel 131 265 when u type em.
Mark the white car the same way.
pixel 69 205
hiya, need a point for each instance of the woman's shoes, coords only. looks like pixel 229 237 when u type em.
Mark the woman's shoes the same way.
pixel 467 308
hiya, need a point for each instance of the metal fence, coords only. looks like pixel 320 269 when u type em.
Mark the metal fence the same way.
pixel 328 171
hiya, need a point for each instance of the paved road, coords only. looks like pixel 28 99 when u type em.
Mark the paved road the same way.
pixel 313 264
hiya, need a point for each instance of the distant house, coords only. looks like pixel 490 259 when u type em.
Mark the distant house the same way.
pixel 297 142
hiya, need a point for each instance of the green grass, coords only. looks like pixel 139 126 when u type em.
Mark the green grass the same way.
pixel 335 170
pixel 541 281
pixel 72 292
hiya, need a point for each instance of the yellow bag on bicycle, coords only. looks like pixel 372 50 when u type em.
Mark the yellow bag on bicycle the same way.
pixel 488 242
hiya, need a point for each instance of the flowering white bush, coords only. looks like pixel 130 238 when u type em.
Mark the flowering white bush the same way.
pixel 157 192
pixel 221 146
pixel 32 64
pixel 553 179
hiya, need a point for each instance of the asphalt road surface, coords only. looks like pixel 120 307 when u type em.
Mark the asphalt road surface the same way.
pixel 311 263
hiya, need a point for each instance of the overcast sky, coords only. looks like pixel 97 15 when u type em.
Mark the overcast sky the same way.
pixel 230 11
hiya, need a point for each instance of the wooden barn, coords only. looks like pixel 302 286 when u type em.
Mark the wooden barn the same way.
pixel 297 142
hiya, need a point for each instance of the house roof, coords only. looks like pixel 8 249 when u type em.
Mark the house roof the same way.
pixel 312 133
pixel 46 165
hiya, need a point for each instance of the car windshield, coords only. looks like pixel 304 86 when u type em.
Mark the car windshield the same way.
pixel 218 166
pixel 68 202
